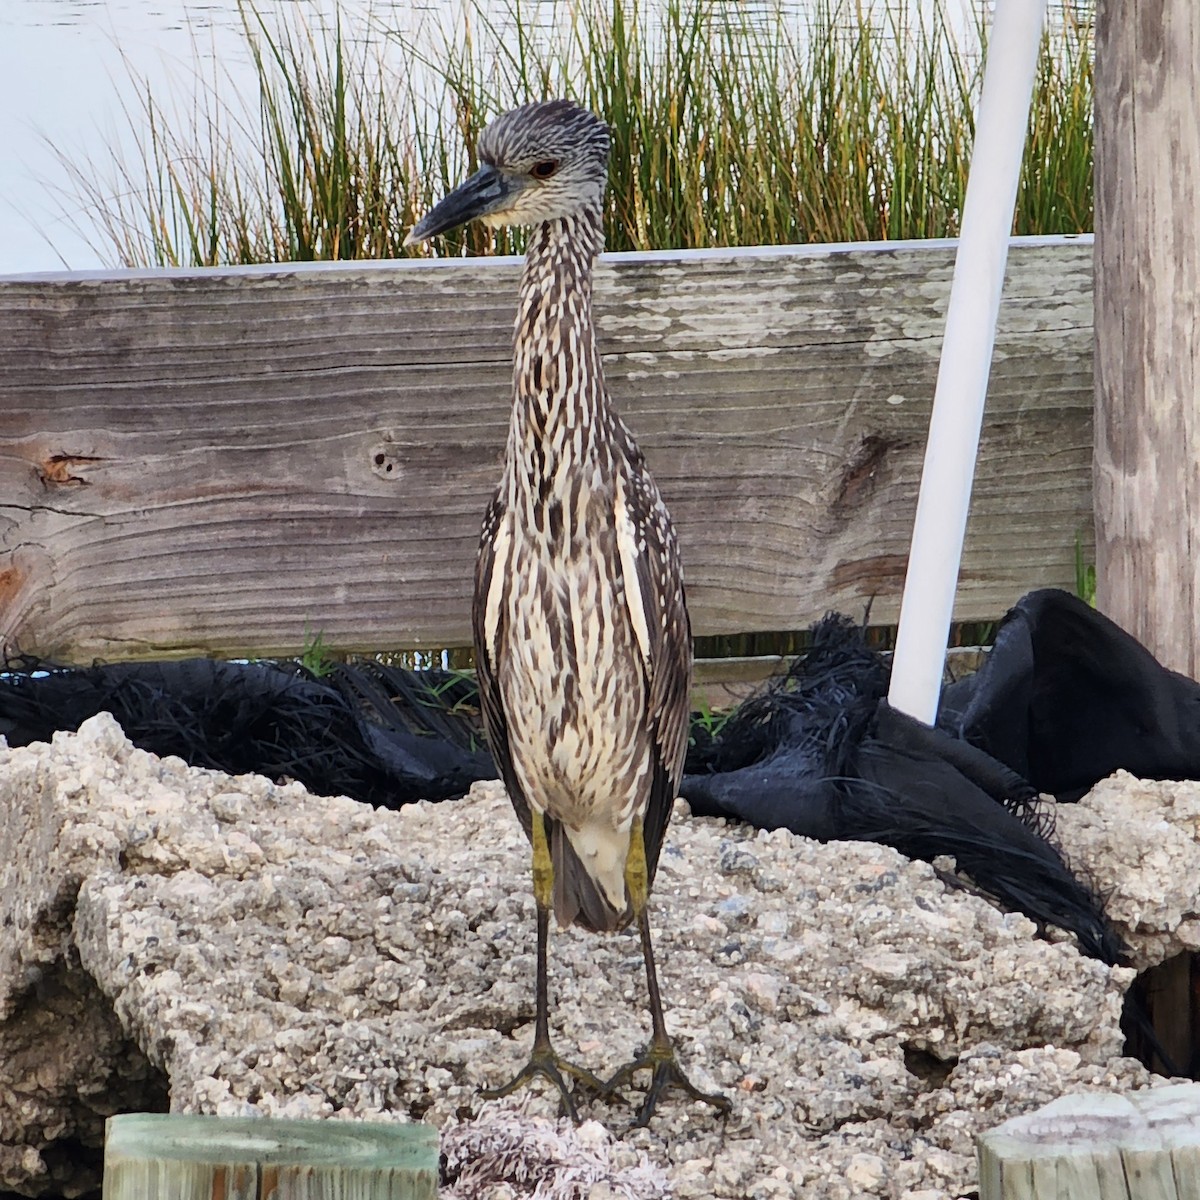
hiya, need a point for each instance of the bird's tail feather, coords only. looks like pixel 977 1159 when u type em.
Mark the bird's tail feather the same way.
pixel 578 899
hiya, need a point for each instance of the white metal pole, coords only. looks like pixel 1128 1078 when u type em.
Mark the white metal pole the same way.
pixel 941 521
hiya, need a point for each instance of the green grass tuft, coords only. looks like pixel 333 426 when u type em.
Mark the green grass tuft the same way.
pixel 1085 574
pixel 316 657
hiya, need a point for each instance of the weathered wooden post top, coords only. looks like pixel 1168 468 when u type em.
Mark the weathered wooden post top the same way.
pixel 1098 1146
pixel 243 1158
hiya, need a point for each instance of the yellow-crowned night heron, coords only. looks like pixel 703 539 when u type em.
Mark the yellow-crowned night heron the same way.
pixel 582 641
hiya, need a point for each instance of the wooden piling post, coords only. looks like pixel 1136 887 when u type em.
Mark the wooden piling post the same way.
pixel 155 1156
pixel 1146 466
pixel 1098 1146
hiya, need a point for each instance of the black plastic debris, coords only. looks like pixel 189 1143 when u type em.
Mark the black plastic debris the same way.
pixel 1066 697
pixel 377 734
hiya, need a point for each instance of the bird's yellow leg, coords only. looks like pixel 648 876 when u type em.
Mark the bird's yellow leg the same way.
pixel 543 866
pixel 544 1061
pixel 637 874
pixel 659 1056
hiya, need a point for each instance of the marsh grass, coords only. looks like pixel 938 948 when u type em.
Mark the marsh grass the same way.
pixel 318 165
pixel 731 127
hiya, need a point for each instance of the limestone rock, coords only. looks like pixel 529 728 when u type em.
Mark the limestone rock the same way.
pixel 261 950
pixel 1138 841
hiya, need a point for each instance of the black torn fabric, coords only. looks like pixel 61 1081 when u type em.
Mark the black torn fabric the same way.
pixel 378 734
pixel 1066 697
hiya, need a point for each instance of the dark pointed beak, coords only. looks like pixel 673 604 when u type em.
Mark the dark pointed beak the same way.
pixel 487 191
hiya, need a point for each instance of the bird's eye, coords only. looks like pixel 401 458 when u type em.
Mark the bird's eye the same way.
pixel 545 168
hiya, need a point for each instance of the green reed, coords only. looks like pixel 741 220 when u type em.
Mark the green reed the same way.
pixel 730 127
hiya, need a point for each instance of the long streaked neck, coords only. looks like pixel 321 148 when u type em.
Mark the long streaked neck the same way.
pixel 560 404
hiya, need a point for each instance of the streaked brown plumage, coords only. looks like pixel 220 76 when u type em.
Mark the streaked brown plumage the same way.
pixel 583 646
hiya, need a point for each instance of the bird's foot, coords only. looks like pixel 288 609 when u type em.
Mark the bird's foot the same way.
pixel 545 1063
pixel 665 1073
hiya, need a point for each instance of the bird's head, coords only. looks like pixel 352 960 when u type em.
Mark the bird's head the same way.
pixel 539 162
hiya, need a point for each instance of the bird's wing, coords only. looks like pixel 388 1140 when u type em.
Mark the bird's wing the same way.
pixel 492 574
pixel 654 593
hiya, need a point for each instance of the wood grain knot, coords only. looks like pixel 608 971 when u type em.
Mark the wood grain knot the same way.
pixel 10 583
pixel 59 469
pixel 860 473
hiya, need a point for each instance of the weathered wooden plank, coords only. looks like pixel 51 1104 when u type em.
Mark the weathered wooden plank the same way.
pixel 222 461
pixel 1147 464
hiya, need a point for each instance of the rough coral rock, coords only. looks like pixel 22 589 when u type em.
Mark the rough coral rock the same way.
pixel 258 949
pixel 1139 843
